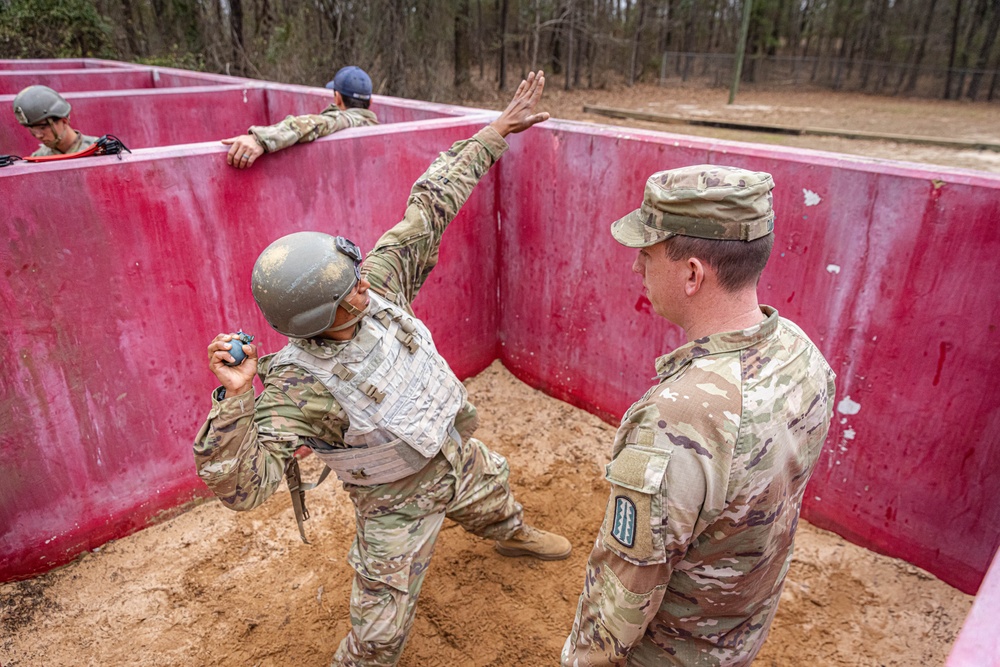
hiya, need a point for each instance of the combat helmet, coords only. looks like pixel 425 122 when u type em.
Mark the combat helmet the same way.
pixel 301 279
pixel 35 104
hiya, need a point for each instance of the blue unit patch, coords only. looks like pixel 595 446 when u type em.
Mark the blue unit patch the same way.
pixel 623 529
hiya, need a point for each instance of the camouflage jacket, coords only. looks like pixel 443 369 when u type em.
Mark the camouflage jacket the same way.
pixel 707 476
pixel 301 129
pixel 243 447
pixel 82 141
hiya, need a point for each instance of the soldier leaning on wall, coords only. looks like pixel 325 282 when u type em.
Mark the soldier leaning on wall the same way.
pixel 708 469
pixel 361 383
pixel 352 94
pixel 46 115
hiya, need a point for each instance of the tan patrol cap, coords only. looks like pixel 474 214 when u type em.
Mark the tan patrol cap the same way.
pixel 705 201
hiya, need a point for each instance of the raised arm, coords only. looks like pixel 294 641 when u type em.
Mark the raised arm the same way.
pixel 406 254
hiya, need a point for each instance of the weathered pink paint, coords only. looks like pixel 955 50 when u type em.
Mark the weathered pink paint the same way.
pixel 145 118
pixel 150 117
pixel 978 644
pixel 118 273
pixel 72 80
pixel 65 63
pixel 912 338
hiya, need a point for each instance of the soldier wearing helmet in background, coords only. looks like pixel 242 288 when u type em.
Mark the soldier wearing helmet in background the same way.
pixel 361 383
pixel 352 95
pixel 708 469
pixel 46 115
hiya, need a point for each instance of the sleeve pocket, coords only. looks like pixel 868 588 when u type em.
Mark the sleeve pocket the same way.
pixel 633 522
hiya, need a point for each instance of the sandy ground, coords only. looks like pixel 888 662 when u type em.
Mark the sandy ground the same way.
pixel 214 587
pixel 800 108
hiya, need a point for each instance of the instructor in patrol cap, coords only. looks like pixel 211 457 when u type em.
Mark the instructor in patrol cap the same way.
pixel 708 468
pixel 46 115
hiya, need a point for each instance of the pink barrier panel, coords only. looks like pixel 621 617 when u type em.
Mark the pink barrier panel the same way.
pixel 978 644
pixel 881 264
pixel 63 63
pixel 145 118
pixel 66 81
pixel 36 64
pixel 171 78
pixel 118 274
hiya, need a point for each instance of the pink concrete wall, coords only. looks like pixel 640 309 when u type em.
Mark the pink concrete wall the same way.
pixel 72 80
pixel 152 117
pixel 182 115
pixel 117 274
pixel 64 63
pixel 881 264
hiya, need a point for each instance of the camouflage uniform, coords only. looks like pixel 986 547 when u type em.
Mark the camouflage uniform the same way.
pixel 242 450
pixel 82 141
pixel 707 474
pixel 301 129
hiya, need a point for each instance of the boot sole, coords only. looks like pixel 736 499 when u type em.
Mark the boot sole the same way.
pixel 514 553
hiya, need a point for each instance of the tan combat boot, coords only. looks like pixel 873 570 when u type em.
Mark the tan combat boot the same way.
pixel 528 541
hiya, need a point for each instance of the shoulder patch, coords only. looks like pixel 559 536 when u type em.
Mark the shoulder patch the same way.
pixel 623 529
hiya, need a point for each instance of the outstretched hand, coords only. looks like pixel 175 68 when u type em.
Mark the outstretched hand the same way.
pixel 519 114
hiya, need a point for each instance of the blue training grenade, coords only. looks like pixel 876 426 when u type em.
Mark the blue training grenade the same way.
pixel 237 350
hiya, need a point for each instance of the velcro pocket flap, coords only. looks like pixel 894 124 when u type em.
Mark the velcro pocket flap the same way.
pixel 638 468
pixel 633 520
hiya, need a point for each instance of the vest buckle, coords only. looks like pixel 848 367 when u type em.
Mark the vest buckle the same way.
pixel 369 390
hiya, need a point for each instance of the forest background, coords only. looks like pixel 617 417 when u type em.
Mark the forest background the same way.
pixel 442 50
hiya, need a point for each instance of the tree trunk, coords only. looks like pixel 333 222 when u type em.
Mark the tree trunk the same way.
pixel 461 53
pixel 954 49
pixel 502 72
pixel 636 39
pixel 570 47
pixel 911 84
pixel 236 33
pixel 978 19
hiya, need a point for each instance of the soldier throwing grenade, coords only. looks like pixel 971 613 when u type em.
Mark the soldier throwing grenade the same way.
pixel 361 383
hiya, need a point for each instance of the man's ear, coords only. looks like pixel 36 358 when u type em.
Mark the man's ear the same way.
pixel 696 270
pixel 338 100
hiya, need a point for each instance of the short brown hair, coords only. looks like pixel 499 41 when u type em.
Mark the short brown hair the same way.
pixel 738 264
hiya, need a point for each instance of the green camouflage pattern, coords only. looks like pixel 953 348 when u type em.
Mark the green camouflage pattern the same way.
pixel 705 201
pixel 243 447
pixel 714 460
pixel 310 127
pixel 82 141
pixel 397 526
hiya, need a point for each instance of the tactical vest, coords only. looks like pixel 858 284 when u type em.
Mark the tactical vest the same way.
pixel 400 396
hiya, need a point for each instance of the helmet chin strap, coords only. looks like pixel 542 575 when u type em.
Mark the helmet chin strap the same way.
pixel 351 310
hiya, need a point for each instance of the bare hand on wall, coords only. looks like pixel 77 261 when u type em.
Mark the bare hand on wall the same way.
pixel 243 151
pixel 519 114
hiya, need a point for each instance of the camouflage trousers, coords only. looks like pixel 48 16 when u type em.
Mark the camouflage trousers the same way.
pixel 397 527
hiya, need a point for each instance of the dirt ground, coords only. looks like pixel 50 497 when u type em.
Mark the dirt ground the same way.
pixel 978 121
pixel 215 587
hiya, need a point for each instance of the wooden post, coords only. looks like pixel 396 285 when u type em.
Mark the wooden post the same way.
pixel 747 7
